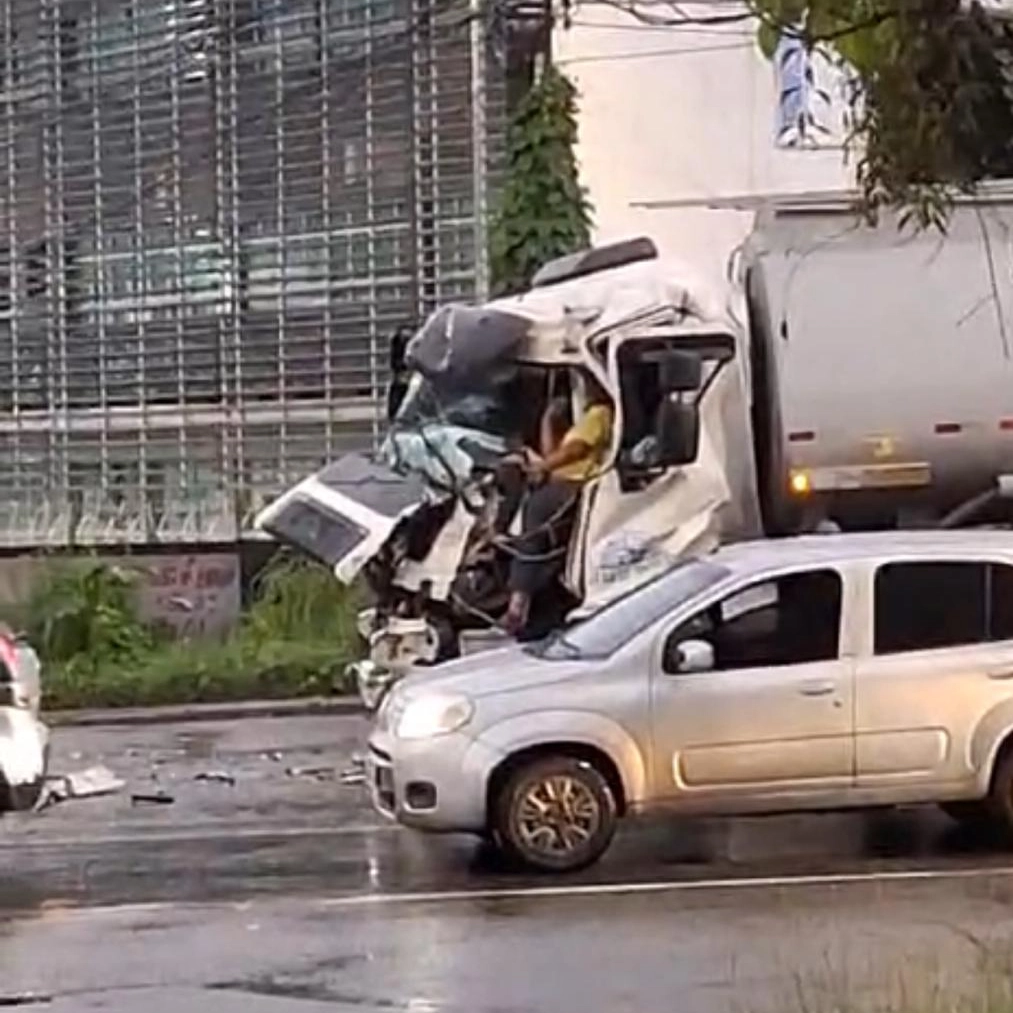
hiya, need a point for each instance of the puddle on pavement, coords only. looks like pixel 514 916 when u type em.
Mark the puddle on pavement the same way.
pixel 310 989
pixel 198 745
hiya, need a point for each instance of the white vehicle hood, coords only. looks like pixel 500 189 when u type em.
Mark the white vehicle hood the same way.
pixel 344 513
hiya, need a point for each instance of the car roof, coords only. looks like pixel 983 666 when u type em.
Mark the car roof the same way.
pixel 840 548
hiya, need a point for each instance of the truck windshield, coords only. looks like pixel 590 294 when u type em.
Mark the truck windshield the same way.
pixel 605 631
pixel 488 411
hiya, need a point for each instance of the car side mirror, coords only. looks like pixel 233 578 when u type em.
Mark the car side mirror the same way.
pixel 677 430
pixel 693 656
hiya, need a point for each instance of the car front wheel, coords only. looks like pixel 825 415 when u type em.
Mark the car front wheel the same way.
pixel 555 814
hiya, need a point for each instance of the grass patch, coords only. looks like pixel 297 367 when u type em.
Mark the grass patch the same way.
pixel 294 639
pixel 965 975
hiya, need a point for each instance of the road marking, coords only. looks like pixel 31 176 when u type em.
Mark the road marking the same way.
pixel 666 886
pixel 16 842
pixel 365 900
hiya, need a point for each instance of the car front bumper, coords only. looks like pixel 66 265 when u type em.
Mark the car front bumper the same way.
pixel 24 746
pixel 436 784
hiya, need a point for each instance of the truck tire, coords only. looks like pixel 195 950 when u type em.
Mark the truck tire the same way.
pixel 555 814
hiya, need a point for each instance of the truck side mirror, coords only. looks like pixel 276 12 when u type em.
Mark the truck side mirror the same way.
pixel 680 372
pixel 678 433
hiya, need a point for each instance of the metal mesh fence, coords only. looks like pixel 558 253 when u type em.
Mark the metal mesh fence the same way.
pixel 212 215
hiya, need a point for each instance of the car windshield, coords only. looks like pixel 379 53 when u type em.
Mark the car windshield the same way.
pixel 605 631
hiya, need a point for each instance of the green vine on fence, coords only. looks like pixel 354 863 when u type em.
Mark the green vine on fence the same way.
pixel 544 211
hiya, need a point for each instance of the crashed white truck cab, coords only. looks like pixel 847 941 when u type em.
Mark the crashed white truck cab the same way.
pixel 421 523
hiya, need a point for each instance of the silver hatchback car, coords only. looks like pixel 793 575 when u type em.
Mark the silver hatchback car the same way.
pixel 824 672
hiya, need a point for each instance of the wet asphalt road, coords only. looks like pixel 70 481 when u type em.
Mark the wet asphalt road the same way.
pixel 284 893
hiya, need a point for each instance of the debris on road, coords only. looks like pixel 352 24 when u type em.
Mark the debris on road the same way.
pixel 152 798
pixel 24 999
pixel 216 777
pixel 318 773
pixel 88 783
pixel 356 773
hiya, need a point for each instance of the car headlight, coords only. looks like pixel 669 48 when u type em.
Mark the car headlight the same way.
pixel 433 714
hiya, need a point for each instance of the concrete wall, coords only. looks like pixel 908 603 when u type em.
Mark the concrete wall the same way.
pixel 195 594
pixel 681 113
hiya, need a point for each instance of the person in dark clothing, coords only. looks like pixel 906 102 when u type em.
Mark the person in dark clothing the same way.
pixel 556 479
pixel 512 474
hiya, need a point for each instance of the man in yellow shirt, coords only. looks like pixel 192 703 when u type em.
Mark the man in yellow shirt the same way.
pixel 547 516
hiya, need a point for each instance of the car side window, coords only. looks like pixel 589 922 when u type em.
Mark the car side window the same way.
pixel 1000 601
pixel 925 606
pixel 790 620
pixel 929 605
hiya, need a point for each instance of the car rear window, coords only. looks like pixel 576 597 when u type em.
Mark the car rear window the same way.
pixel 929 605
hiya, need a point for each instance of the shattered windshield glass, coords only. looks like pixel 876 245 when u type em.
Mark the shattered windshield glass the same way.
pixel 461 406
pixel 444 437
pixel 426 405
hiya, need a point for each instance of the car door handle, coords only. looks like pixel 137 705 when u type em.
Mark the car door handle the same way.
pixel 817 688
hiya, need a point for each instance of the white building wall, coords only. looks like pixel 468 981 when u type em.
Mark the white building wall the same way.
pixel 686 114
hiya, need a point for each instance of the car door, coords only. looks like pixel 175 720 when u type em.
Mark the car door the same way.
pixel 940 657
pixel 772 717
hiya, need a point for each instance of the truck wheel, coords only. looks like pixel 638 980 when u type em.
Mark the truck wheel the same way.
pixel 555 814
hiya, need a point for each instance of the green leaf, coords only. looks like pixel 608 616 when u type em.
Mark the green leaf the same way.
pixel 543 211
pixel 767 38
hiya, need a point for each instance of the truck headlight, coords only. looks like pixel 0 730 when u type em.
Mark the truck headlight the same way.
pixel 433 714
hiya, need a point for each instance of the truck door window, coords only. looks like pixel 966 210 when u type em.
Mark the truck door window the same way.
pixel 640 392
pixel 926 606
pixel 792 620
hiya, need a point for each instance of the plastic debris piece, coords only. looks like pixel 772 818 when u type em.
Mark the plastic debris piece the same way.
pixel 216 777
pixel 90 783
pixel 93 781
pixel 24 999
pixel 152 798
pixel 320 773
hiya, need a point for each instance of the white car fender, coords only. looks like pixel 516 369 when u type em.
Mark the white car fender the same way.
pixel 584 728
pixel 23 741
